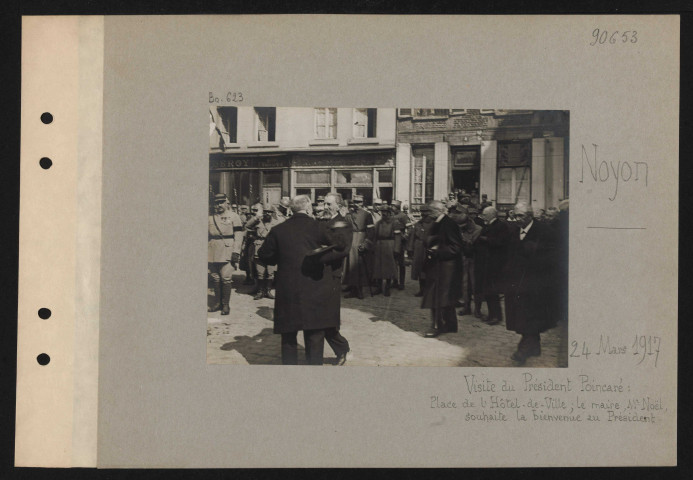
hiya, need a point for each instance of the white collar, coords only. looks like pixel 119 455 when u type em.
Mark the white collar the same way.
pixel 529 225
pixel 440 217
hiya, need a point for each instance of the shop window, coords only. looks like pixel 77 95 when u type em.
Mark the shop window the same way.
pixel 385 176
pixel 265 124
pixel 365 122
pixel 354 176
pixel 229 121
pixel 325 123
pixel 514 172
pixel 309 177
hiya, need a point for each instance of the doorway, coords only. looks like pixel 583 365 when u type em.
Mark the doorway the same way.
pixel 467 179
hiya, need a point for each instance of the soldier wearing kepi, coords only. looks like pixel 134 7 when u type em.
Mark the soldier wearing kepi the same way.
pixel 265 273
pixel 402 229
pixel 356 268
pixel 223 251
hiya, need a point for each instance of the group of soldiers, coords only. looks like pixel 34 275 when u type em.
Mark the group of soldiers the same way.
pixel 461 253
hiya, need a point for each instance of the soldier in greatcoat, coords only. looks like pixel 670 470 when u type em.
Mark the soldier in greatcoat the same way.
pixel 417 249
pixel 383 248
pixel 403 226
pixel 356 267
pixel 223 250
pixel 265 273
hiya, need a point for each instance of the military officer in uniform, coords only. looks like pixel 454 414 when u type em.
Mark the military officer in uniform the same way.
pixel 225 232
pixel 265 273
pixel 356 268
pixel 403 227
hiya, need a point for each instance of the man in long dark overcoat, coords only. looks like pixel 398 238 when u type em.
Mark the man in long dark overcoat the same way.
pixel 531 280
pixel 355 268
pixel 307 286
pixel 491 255
pixel 337 231
pixel 443 267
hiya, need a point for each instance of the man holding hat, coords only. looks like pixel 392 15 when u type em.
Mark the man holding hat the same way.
pixel 309 256
pixel 223 250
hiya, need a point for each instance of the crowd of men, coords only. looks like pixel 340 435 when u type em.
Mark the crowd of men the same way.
pixel 461 252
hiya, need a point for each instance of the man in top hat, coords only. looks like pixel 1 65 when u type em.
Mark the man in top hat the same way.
pixel 356 267
pixel 223 250
pixel 402 228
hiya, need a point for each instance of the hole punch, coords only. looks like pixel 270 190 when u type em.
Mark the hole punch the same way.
pixel 44 313
pixel 43 359
pixel 46 118
pixel 46 163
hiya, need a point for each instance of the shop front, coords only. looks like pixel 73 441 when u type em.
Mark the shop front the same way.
pixel 248 180
pixel 370 175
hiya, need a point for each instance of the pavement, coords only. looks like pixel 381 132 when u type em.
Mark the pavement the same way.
pixel 382 331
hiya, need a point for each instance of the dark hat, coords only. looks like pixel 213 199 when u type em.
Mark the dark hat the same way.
pixel 358 198
pixel 396 203
pixel 220 198
pixel 385 208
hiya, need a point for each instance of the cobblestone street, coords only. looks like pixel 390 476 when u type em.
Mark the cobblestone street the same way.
pixel 382 331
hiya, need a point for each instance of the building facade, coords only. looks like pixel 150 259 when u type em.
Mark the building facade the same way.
pixel 509 155
pixel 259 154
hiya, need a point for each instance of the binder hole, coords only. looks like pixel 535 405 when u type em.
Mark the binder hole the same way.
pixel 43 359
pixel 44 313
pixel 46 118
pixel 46 163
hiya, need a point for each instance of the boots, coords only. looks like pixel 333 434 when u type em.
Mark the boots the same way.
pixel 402 274
pixel 248 280
pixel 261 287
pixel 388 283
pixel 225 297
pixel 378 287
pixel 217 297
pixel 268 287
pixel 477 308
pixel 422 286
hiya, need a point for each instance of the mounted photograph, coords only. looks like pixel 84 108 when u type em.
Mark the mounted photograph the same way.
pixel 388 237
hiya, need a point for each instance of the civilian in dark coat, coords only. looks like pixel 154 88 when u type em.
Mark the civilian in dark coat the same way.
pixel 338 231
pixel 307 288
pixel 531 282
pixel 443 269
pixel 491 257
